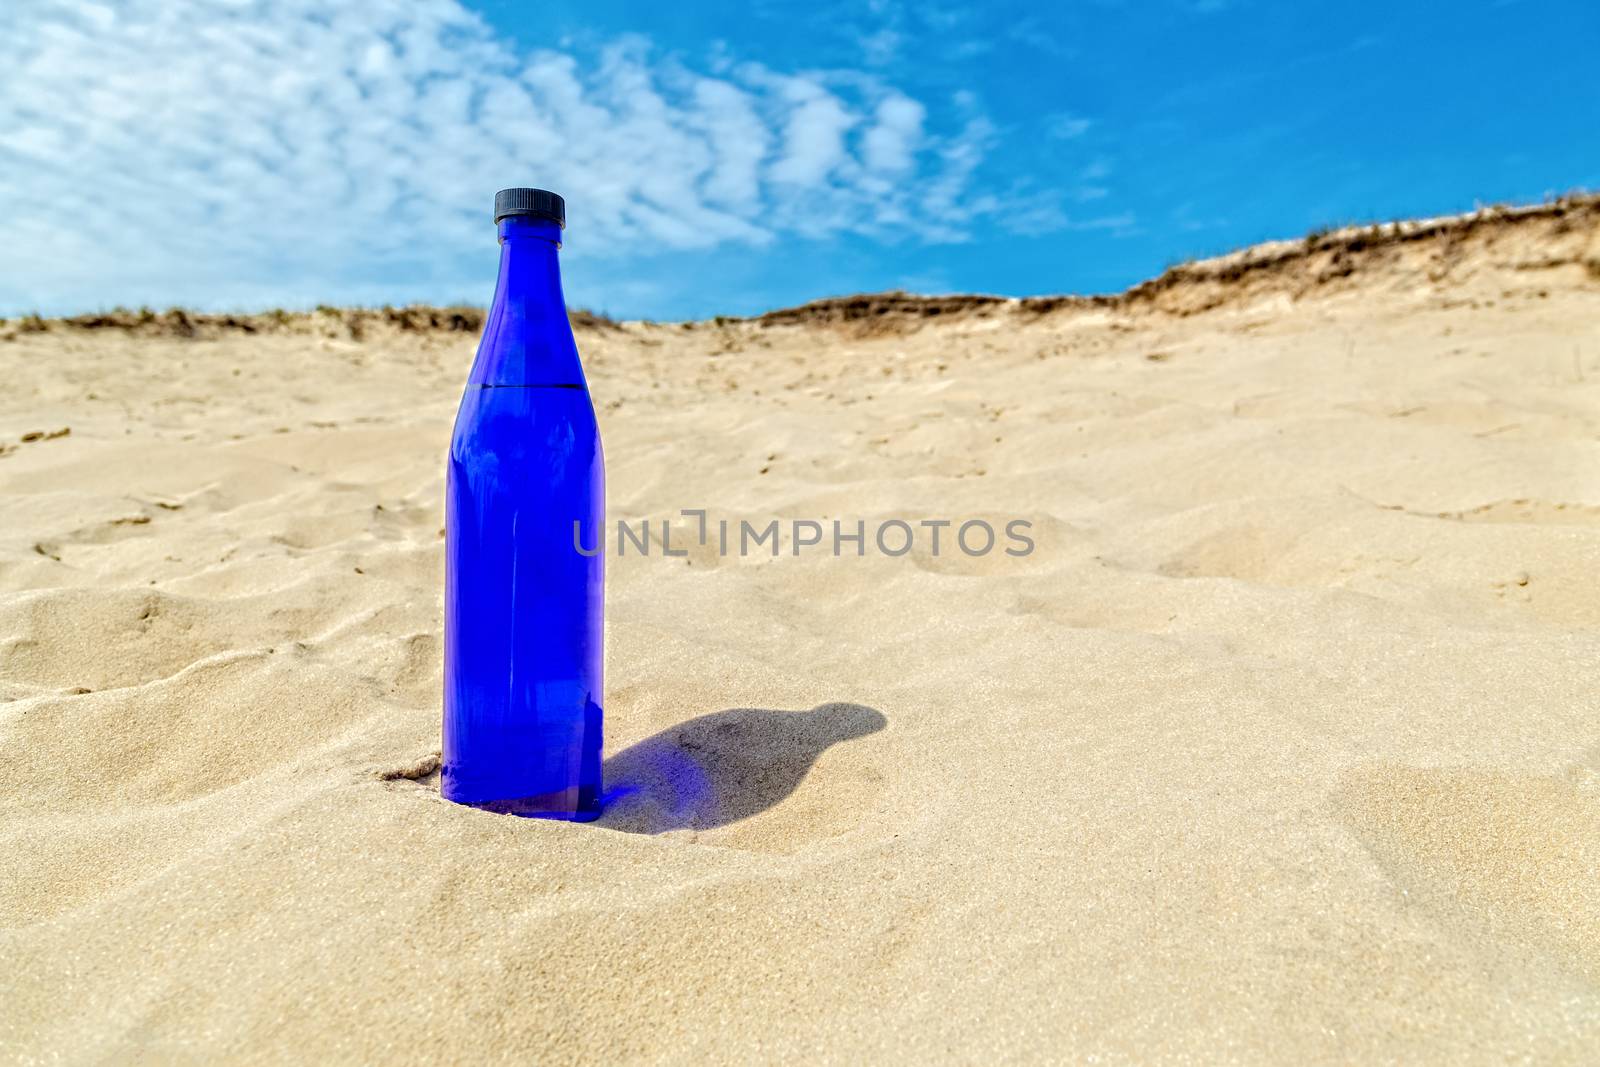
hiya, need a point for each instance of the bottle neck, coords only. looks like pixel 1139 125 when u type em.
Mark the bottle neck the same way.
pixel 527 339
pixel 530 270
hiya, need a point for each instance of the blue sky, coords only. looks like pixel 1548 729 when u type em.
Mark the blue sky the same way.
pixel 240 154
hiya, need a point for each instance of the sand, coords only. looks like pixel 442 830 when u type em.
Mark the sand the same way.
pixel 1282 746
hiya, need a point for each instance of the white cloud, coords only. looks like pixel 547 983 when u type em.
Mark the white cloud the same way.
pixel 948 197
pixel 880 47
pixel 813 135
pixel 230 152
pixel 892 144
pixel 1067 126
pixel 1090 180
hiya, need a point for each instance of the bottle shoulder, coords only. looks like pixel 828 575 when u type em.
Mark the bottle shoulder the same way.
pixel 528 351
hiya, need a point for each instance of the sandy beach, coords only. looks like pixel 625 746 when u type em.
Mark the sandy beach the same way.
pixel 1281 745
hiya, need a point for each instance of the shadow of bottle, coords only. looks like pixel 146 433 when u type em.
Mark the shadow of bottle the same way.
pixel 719 768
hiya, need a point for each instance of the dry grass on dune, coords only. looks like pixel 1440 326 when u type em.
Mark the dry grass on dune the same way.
pixel 1280 747
pixel 324 321
pixel 1434 247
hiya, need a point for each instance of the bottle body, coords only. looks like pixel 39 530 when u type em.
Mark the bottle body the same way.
pixel 523 655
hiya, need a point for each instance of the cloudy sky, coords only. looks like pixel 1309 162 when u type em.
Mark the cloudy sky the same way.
pixel 241 154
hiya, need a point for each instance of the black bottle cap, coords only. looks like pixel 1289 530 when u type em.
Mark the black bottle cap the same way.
pixel 540 203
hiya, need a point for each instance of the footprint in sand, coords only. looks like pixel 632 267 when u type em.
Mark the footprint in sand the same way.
pixel 1517 856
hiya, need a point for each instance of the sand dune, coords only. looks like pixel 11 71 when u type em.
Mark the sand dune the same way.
pixel 1281 746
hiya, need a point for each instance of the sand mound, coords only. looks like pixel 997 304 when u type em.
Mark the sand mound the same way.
pixel 1280 745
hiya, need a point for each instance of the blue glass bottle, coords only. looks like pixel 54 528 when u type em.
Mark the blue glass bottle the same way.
pixel 523 606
